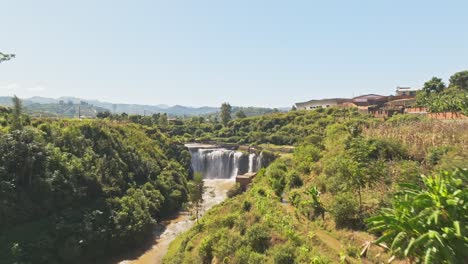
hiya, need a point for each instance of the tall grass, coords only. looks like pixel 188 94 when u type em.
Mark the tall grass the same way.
pixel 420 136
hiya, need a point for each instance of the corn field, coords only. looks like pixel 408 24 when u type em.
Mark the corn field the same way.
pixel 418 137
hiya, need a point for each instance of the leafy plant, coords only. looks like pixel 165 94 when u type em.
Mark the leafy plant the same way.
pixel 428 225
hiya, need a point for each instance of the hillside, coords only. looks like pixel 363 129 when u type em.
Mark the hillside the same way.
pixel 79 191
pixel 312 206
pixel 94 189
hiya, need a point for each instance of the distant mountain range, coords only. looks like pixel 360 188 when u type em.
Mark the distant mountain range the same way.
pixel 71 106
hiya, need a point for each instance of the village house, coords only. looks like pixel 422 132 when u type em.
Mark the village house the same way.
pixel 406 91
pixel 322 103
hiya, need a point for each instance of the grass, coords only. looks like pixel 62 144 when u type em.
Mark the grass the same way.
pixel 311 240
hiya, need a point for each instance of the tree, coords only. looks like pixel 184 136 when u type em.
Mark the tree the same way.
pixel 240 114
pixel 163 120
pixel 196 189
pixel 435 85
pixel 314 194
pixel 293 108
pixel 17 111
pixel 460 79
pixel 226 113
pixel 428 224
pixel 6 57
pixel 104 114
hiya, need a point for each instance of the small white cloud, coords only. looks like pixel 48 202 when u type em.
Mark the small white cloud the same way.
pixel 10 87
pixel 37 88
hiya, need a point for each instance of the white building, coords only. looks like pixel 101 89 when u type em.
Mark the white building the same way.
pixel 323 103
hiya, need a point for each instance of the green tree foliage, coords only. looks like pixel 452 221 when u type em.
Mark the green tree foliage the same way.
pixel 196 190
pixel 429 224
pixel 226 113
pixel 345 210
pixel 314 195
pixel 276 174
pixel 339 154
pixel 16 113
pixel 240 114
pixel 6 57
pixel 460 79
pixel 104 114
pixel 305 157
pixel 452 99
pixel 85 189
pixel 258 238
pixel 435 85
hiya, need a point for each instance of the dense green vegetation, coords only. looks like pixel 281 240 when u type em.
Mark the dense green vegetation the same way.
pixel 88 188
pixel 312 206
pixel 437 97
pixel 74 191
pixel 275 128
pixel 428 224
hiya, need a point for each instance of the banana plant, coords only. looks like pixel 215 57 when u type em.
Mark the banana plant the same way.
pixel 429 224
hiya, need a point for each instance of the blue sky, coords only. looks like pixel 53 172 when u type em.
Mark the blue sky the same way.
pixel 262 53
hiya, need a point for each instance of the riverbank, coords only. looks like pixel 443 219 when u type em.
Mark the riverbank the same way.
pixel 215 193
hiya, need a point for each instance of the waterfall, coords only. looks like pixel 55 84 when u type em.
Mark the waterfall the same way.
pixel 221 163
pixel 252 162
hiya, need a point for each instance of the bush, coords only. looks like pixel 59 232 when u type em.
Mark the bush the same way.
pixel 284 254
pixel 305 158
pixel 226 243
pixel 258 238
pixel 276 173
pixel 206 249
pixel 404 119
pixel 407 171
pixel 294 180
pixel 234 191
pixel 345 210
pixel 246 206
pixel 267 157
pixel 435 154
pixel 246 255
pixel 294 198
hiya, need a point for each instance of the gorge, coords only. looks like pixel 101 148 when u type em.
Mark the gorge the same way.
pixel 219 166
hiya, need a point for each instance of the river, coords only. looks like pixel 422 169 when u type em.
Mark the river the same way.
pixel 215 193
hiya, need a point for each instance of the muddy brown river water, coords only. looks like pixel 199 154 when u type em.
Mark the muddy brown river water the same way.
pixel 215 193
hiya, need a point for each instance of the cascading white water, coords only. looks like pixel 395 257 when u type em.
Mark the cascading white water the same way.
pixel 252 162
pixel 221 163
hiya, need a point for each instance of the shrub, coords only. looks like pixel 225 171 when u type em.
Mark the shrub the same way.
pixel 267 157
pixel 246 255
pixel 206 249
pixel 305 158
pixel 246 206
pixel 345 210
pixel 284 254
pixel 258 238
pixel 294 180
pixel 294 198
pixel 407 171
pixel 276 173
pixel 435 154
pixel 404 119
pixel 226 243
